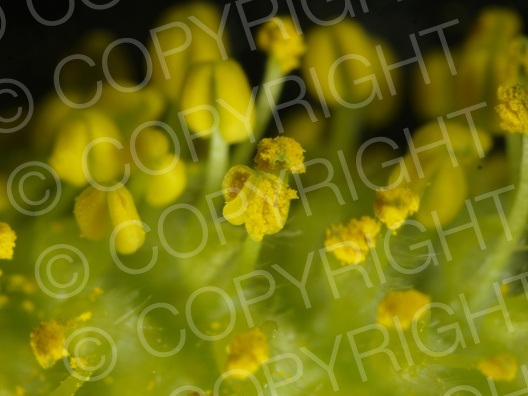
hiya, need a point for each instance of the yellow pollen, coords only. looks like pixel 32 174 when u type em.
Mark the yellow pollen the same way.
pixel 403 304
pixel 502 367
pixel 47 342
pixel 350 243
pixel 513 109
pixel 246 352
pixel 7 241
pixel 274 155
pixel 279 38
pixel 394 206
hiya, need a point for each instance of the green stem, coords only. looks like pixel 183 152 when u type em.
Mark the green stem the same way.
pixel 516 219
pixel 68 387
pixel 345 125
pixel 264 110
pixel 248 257
pixel 217 163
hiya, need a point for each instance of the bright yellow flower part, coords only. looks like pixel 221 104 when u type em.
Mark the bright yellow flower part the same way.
pixel 165 176
pixel 260 200
pixel 279 38
pixel 47 342
pixel 401 303
pixel 350 243
pixel 274 155
pixel 95 210
pixel 326 45
pixel 7 241
pixel 217 94
pixel 246 352
pixel 165 188
pixel 395 205
pixel 501 367
pixel 173 58
pixel 513 109
pixel 104 161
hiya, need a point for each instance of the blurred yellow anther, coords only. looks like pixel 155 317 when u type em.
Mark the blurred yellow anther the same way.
pixel 47 342
pixel 502 367
pixel 246 352
pixel 7 241
pixel 151 144
pixel 164 188
pixel 350 243
pixel 95 210
pixel 177 55
pixel 104 159
pixel 279 38
pixel 513 109
pixel 122 209
pixel 217 96
pixel 340 78
pixel 274 155
pixel 403 304
pixel 165 175
pixel 394 206
pixel 260 200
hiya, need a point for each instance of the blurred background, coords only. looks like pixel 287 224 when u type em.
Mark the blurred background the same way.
pixel 31 51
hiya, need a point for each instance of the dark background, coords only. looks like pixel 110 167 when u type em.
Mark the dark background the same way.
pixel 30 51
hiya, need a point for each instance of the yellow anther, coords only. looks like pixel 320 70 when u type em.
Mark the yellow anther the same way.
pixel 279 38
pixel 104 159
pixel 95 210
pixel 260 200
pixel 47 342
pixel 513 109
pixel 7 241
pixel 404 304
pixel 91 213
pixel 122 209
pixel 350 80
pixel 246 352
pixel 165 188
pixel 395 205
pixel 501 367
pixel 274 155
pixel 350 243
pixel 151 145
pixel 178 49
pixel 218 95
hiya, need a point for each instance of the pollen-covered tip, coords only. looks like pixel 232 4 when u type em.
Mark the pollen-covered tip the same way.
pixel 405 304
pixel 246 352
pixel 276 154
pixel 394 206
pixel 280 39
pixel 7 241
pixel 47 342
pixel 513 108
pixel 351 243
